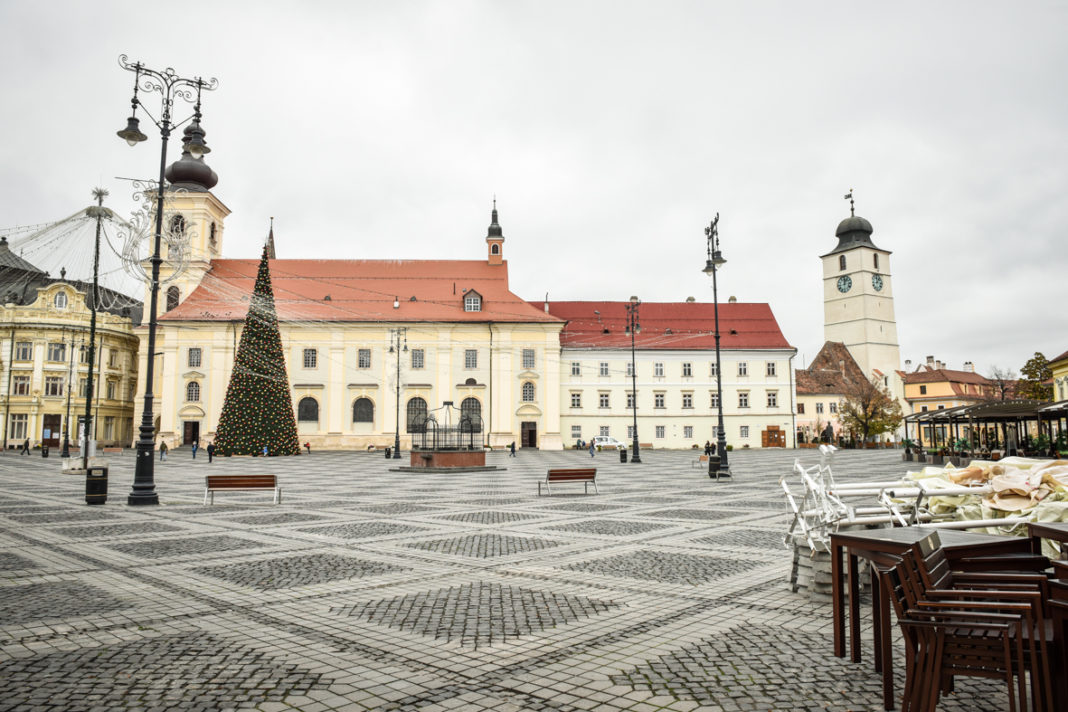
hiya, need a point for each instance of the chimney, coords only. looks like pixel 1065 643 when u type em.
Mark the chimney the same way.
pixel 732 300
pixel 908 365
pixel 930 360
pixel 969 367
pixel 546 302
pixel 940 365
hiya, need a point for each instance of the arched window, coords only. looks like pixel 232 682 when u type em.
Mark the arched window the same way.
pixel 471 409
pixel 495 249
pixel 416 415
pixel 363 411
pixel 308 410
pixel 172 298
pixel 177 224
pixel 876 259
pixel 61 300
pixel 841 262
pixel 528 392
pixel 192 392
pixel 211 237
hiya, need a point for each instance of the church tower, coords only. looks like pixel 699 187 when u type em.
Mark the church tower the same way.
pixel 858 299
pixel 190 208
pixel 495 239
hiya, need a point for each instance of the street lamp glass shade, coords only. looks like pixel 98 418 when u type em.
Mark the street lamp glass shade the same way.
pixel 716 261
pixel 132 133
pixel 195 145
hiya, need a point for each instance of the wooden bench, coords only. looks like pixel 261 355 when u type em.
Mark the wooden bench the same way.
pixel 212 483
pixel 701 460
pixel 585 475
pixel 111 450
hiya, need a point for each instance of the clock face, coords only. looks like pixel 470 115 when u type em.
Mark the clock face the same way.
pixel 877 282
pixel 845 283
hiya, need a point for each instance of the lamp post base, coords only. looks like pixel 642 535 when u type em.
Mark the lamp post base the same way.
pixel 144 486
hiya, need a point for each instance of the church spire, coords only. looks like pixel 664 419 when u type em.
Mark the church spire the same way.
pixel 270 241
pixel 495 238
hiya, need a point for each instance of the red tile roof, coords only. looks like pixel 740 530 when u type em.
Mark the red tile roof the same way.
pixel 1062 357
pixel 832 371
pixel 668 325
pixel 939 375
pixel 360 291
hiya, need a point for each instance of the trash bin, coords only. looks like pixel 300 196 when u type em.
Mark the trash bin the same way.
pixel 713 466
pixel 622 454
pixel 96 485
pixel 44 451
pixel 389 453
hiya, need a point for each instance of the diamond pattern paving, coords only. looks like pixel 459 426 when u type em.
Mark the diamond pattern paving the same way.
pixel 14 562
pixel 59 599
pixel 292 571
pixel 665 567
pixel 184 671
pixel 362 530
pixel 478 614
pixel 186 547
pixel 489 517
pixel 485 545
pixel 109 530
pixel 608 527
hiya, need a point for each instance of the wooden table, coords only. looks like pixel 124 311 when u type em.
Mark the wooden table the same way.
pixel 1056 531
pixel 882 547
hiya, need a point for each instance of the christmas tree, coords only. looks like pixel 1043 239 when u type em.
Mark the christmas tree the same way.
pixel 258 411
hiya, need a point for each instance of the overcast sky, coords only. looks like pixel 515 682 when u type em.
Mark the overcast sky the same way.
pixel 611 133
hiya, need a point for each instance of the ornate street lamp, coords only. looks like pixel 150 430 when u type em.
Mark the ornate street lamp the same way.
pixel 170 87
pixel 99 213
pixel 395 338
pixel 633 327
pixel 70 375
pixel 714 260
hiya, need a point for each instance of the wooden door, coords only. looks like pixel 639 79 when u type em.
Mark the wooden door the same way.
pixel 190 432
pixel 528 434
pixel 773 437
pixel 51 430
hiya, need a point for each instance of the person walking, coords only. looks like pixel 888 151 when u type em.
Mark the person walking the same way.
pixel 211 450
pixel 196 444
pixel 25 447
pixel 708 448
pixel 308 446
pixel 511 449
pixel 591 448
pixel 162 451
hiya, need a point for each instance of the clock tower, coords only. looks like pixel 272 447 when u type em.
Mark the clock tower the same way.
pixel 858 299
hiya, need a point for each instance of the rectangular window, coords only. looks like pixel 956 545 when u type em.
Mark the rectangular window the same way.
pixel 109 427
pixel 743 368
pixel 20 385
pixel 715 400
pixel 576 400
pixel 83 387
pixel 833 407
pixel 743 431
pixel 630 369
pixel 111 390
pixel 57 352
pixel 311 358
pixel 658 369
pixel 603 431
pixel 771 368
pixel 576 431
pixel 800 408
pixel 53 385
pixel 630 432
pixel 19 422
pixel 604 368
pixel 875 258
pixel 113 358
pixel 687 370
pixel 687 400
pixel 923 409
pixel 687 432
pixel 743 399
pixel 363 358
pixel 472 303
pixel 602 400
pixel 528 358
pixel 658 400
pixel 576 368
pixel 630 399
pixel 773 399
pixel 418 358
pixel 923 390
pixel 660 432
pixel 83 353
pixel 712 369
pixel 470 358
pixel 194 358
pixel 23 351
pixel 819 408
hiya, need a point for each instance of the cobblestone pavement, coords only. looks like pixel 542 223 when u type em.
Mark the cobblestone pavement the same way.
pixel 368 589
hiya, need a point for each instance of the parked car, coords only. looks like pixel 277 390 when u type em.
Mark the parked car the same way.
pixel 608 443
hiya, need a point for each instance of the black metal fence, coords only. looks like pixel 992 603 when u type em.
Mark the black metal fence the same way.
pixel 437 431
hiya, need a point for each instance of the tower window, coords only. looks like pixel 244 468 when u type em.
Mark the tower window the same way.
pixel 495 249
pixel 841 262
pixel 172 295
pixel 876 258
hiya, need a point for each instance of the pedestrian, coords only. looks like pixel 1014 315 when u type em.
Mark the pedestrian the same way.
pixel 196 444
pixel 25 447
pixel 511 449
pixel 211 450
pixel 591 448
pixel 708 448
pixel 265 451
pixel 162 451
pixel 308 446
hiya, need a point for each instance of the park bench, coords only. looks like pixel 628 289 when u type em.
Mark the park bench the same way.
pixel 585 475
pixel 213 483
pixel 111 450
pixel 701 460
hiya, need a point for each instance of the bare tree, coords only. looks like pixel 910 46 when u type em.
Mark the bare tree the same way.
pixel 868 409
pixel 1004 380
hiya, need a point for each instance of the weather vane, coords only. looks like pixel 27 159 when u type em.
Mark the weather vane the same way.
pixel 849 196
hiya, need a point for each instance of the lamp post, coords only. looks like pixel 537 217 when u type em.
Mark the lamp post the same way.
pixel 395 347
pixel 170 87
pixel 98 212
pixel 714 260
pixel 634 327
pixel 70 374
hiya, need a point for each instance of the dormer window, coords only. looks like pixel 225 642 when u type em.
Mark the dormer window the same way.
pixel 60 300
pixel 472 302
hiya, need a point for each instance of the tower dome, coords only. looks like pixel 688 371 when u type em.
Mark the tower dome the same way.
pixel 188 172
pixel 852 232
